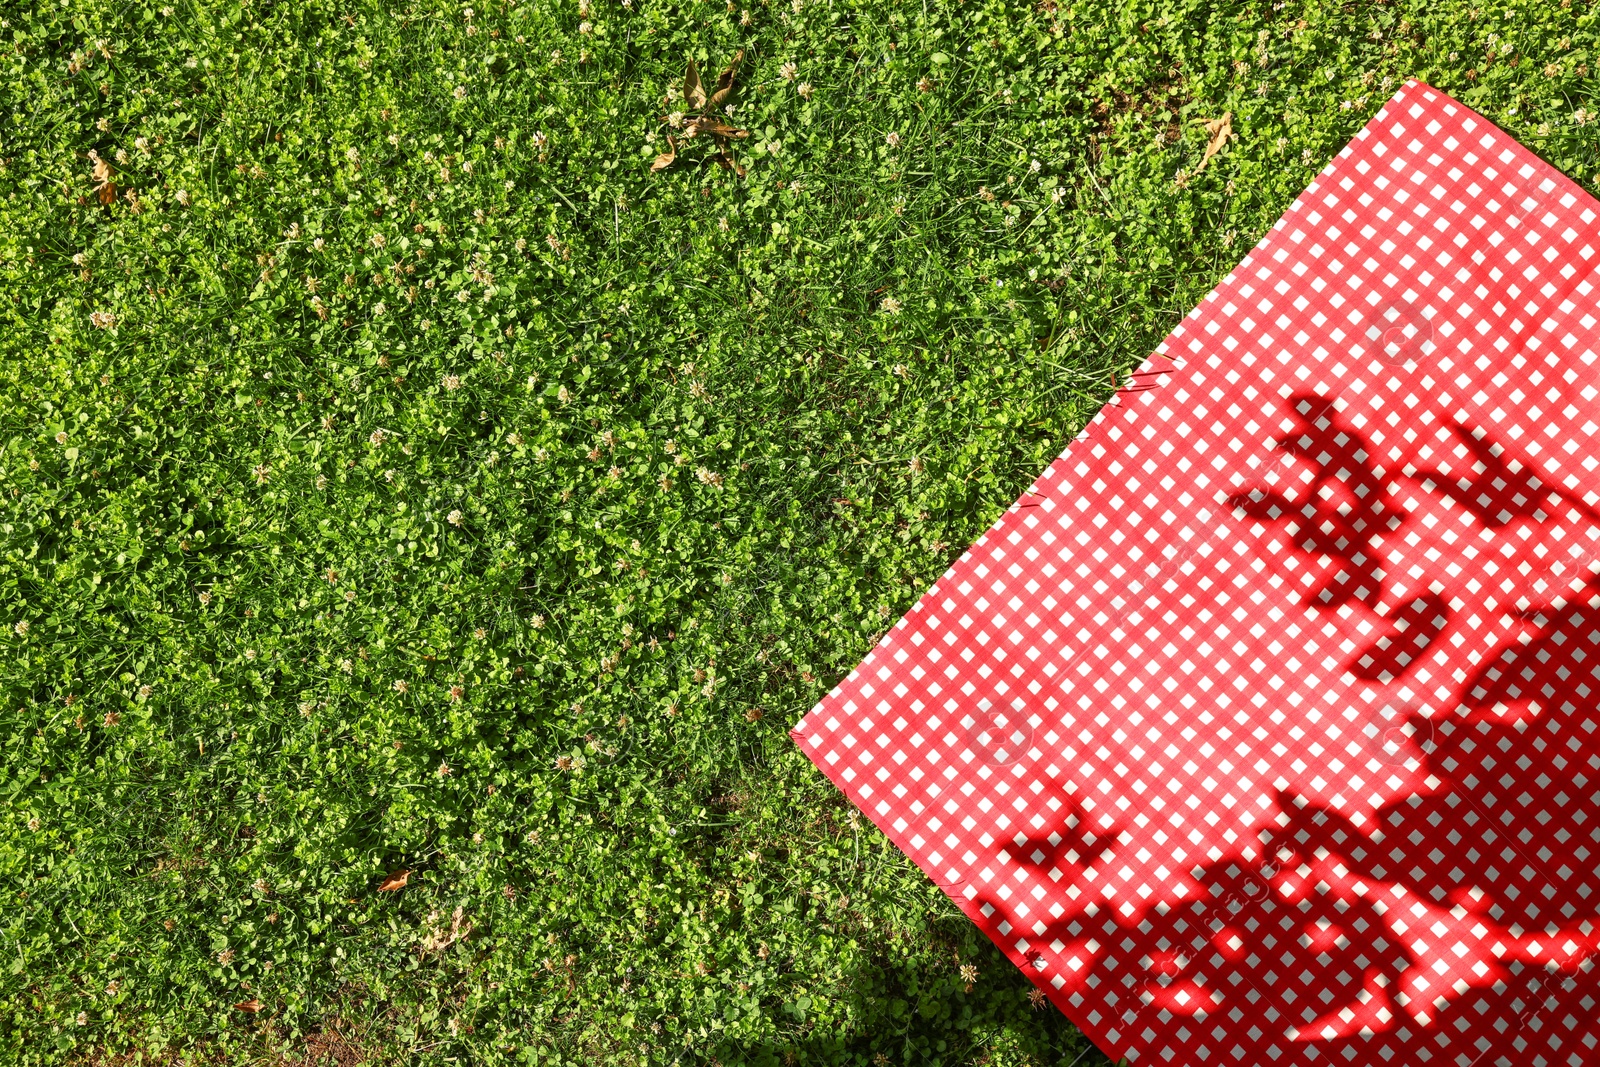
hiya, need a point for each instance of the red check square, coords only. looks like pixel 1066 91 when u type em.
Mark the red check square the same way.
pixel 1264 727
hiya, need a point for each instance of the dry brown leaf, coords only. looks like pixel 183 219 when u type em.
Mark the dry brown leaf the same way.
pixel 707 121
pixel 101 171
pixel 725 82
pixel 725 79
pixel 1221 131
pixel 714 127
pixel 664 160
pixel 693 93
pixel 437 939
pixel 250 1006
pixel 395 881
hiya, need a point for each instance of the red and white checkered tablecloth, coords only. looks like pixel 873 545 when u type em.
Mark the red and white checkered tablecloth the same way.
pixel 1263 728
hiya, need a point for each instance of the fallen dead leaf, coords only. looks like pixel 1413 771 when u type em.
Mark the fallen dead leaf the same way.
pixel 395 881
pixel 1221 131
pixel 105 187
pixel 693 93
pixel 706 121
pixel 725 83
pixel 437 939
pixel 712 126
pixel 664 160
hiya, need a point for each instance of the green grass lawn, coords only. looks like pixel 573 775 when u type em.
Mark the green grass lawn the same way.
pixel 399 475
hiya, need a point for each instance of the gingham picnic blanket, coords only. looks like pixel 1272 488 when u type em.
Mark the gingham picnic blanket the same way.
pixel 1263 728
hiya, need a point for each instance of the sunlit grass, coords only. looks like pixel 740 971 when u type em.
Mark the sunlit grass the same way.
pixel 399 476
